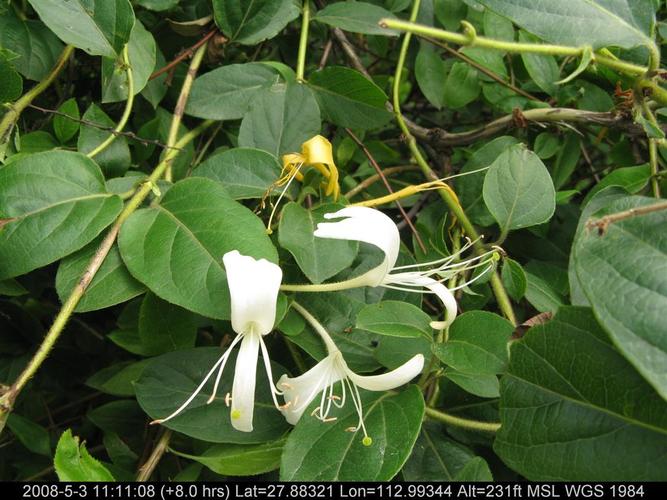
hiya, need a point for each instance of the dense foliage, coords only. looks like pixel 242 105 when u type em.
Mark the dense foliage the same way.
pixel 518 332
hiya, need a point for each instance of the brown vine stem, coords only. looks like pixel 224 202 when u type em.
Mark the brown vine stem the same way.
pixel 146 470
pixel 9 397
pixel 14 112
pixel 184 55
pixel 182 101
pixel 499 291
pixel 377 168
pixel 603 223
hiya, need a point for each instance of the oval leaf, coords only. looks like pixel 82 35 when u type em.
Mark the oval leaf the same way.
pixel 395 319
pixel 518 189
pixel 176 248
pixel 392 421
pixel 51 204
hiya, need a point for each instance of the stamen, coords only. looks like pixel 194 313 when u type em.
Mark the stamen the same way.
pixel 269 373
pixel 194 394
pixel 222 367
pixel 282 193
pixel 228 399
pixel 330 419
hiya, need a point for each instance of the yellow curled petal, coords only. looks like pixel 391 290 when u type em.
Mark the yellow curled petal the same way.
pixel 317 150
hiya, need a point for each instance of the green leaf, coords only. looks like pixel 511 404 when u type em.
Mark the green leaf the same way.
pixel 586 60
pixel 541 294
pixel 115 159
pixel 281 119
pixel 396 319
pixel 546 145
pixel 99 27
pixel 435 457
pixel 118 379
pixel 52 203
pixel 356 17
pixel 567 160
pixel 158 5
pixel 240 459
pixel 518 189
pixel 65 127
pixel 392 421
pixel 497 27
pixel 12 288
pixel 142 55
pixel 469 186
pixel 462 85
pixel 543 69
pixel 111 285
pixel 475 470
pixel 348 99
pixel 37 47
pixel 73 462
pixel 171 378
pixel 121 416
pixel 245 173
pixel 600 23
pixel 33 436
pixel 430 72
pixel 599 420
pixel 164 327
pixel 11 85
pixel 479 384
pixel 631 179
pixel 176 247
pixel 514 279
pixel 318 258
pixel 226 93
pixel 476 343
pixel 619 273
pixel 252 21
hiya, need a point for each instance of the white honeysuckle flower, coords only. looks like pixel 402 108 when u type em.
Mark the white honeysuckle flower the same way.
pixel 373 226
pixel 253 288
pixel 321 379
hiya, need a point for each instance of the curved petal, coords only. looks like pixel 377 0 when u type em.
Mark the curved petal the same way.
pixel 253 287
pixel 243 387
pixel 442 292
pixel 300 391
pixel 401 375
pixel 367 225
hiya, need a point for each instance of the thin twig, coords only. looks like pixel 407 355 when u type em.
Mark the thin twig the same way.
pixel 603 222
pixel 146 470
pixel 184 55
pixel 377 168
pixel 368 181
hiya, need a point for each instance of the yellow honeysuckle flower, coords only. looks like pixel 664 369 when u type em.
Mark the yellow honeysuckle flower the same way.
pixel 317 153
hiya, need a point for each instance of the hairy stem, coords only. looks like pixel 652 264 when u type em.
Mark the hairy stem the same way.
pixel 15 110
pixel 8 399
pixel 472 39
pixel 303 42
pixel 182 101
pixel 126 113
pixel 465 423
pixel 501 295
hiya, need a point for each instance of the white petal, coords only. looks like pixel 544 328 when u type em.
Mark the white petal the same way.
pixel 253 287
pixel 367 225
pixel 300 391
pixel 243 388
pixel 390 380
pixel 443 293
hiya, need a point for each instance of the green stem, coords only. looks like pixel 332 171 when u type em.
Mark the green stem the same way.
pixel 146 470
pixel 654 90
pixel 453 204
pixel 12 115
pixel 8 399
pixel 303 42
pixel 472 39
pixel 474 425
pixel 182 101
pixel 128 107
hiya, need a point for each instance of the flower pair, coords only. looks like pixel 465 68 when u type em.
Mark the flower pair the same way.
pixel 254 286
